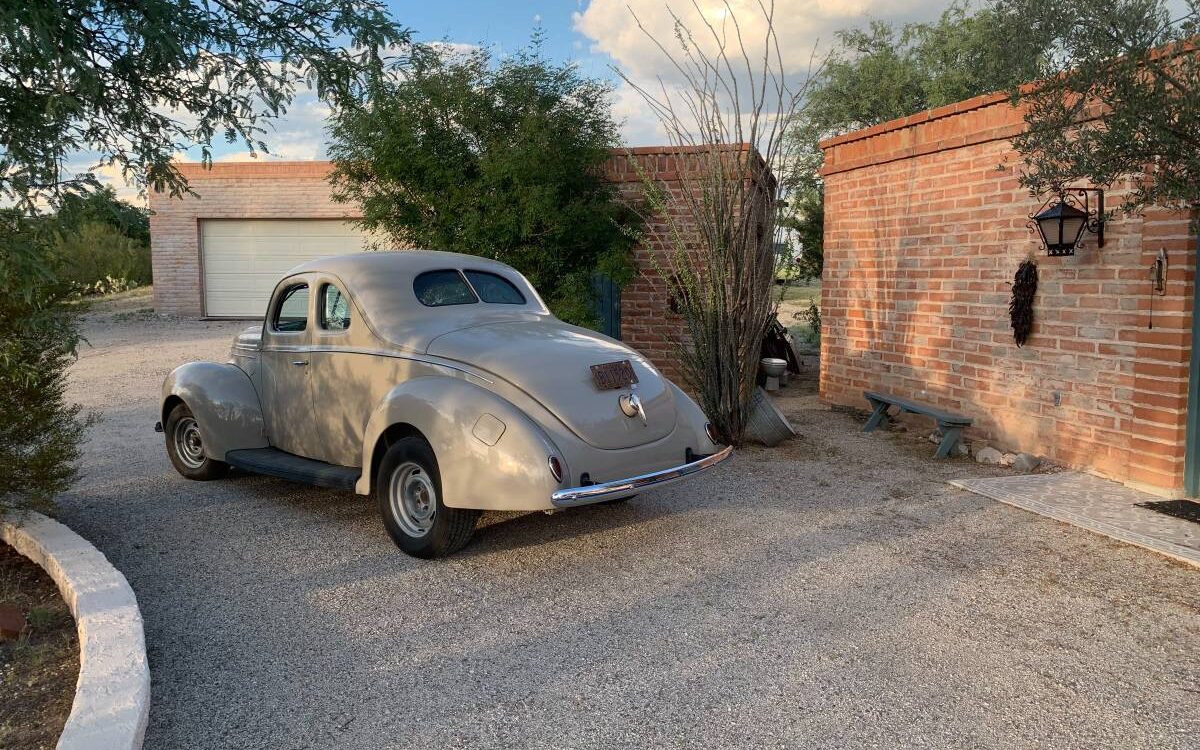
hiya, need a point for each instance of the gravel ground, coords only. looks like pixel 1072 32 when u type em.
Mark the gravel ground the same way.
pixel 832 593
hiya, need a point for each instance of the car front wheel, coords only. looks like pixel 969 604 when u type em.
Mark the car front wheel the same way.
pixel 409 491
pixel 185 447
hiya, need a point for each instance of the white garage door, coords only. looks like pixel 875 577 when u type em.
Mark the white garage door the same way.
pixel 244 258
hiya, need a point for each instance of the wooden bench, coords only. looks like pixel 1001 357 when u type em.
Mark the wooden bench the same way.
pixel 949 423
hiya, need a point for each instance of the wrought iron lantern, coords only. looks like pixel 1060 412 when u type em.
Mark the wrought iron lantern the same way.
pixel 1063 219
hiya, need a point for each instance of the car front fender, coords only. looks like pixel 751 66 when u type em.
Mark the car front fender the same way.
pixel 224 402
pixel 491 456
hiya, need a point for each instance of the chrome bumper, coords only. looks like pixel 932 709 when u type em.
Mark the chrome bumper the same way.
pixel 598 493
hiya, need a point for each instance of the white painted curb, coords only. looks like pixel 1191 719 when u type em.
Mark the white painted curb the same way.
pixel 112 697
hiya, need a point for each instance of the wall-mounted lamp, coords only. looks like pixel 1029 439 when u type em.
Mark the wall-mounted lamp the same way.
pixel 1062 220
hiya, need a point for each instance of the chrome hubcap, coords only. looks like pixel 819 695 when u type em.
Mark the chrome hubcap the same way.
pixel 413 499
pixel 187 443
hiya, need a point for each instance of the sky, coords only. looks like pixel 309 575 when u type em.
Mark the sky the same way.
pixel 598 35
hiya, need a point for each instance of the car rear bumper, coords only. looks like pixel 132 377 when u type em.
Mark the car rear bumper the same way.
pixel 598 493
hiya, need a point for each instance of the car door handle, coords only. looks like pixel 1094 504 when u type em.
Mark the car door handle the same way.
pixel 300 362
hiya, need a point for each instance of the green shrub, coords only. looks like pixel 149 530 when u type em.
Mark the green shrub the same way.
pixel 812 316
pixel 98 259
pixel 498 158
pixel 39 430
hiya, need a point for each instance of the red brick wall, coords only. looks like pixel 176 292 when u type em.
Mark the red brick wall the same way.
pixel 925 226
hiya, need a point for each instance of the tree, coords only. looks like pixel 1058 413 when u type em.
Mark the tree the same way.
pixel 131 83
pixel 726 115
pixel 499 159
pixel 1134 65
pixel 135 82
pixel 102 206
pixel 881 73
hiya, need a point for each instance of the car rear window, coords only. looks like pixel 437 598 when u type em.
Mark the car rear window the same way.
pixel 494 288
pixel 438 288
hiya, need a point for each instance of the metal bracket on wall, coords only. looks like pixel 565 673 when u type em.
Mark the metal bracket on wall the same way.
pixel 1158 280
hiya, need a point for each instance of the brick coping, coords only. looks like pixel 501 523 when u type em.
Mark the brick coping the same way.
pixel 320 168
pixel 937 113
pixel 112 696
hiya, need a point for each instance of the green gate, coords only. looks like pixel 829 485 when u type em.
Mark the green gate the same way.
pixel 607 299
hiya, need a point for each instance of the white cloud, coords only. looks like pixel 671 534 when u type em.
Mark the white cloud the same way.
pixel 801 27
pixel 453 48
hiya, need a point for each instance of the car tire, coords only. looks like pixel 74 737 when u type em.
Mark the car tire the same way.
pixel 186 449
pixel 408 489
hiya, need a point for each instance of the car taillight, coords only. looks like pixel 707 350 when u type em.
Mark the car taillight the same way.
pixel 712 433
pixel 556 468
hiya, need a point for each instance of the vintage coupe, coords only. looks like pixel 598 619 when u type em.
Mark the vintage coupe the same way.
pixel 441 384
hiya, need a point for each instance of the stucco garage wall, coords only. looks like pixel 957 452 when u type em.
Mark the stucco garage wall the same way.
pixel 925 225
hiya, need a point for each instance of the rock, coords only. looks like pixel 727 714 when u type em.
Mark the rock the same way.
pixel 1026 463
pixel 897 427
pixel 989 456
pixel 1007 459
pixel 962 449
pixel 12 622
pixel 935 437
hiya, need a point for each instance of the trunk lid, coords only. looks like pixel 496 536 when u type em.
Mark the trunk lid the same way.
pixel 551 361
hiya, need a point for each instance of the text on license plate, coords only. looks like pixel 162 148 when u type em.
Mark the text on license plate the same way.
pixel 612 375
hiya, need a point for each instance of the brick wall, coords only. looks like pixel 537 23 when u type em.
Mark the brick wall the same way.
pixel 925 226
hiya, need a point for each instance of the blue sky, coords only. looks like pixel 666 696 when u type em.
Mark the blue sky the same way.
pixel 507 26
pixel 597 34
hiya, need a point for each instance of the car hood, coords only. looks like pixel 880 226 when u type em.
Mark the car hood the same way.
pixel 551 361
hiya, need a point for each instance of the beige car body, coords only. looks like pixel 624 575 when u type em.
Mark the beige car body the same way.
pixel 497 390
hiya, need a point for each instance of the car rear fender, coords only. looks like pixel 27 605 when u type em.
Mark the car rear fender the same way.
pixel 490 455
pixel 224 402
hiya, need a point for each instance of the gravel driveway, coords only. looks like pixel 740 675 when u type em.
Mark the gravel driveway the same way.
pixel 832 593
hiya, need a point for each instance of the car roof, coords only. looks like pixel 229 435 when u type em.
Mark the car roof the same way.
pixel 381 284
pixel 402 263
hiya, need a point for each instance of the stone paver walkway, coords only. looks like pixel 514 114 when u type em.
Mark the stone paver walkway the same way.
pixel 1097 505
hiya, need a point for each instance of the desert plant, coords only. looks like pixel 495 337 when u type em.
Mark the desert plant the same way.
pixel 725 115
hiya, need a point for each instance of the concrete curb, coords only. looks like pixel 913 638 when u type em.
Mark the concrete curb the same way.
pixel 112 697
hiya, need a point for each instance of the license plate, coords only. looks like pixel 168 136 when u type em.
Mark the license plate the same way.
pixel 612 375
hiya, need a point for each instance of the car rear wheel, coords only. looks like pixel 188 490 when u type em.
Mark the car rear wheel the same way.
pixel 185 447
pixel 408 489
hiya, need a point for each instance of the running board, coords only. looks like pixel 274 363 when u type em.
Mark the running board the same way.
pixel 276 463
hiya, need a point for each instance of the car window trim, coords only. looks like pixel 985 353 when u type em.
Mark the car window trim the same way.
pixel 279 308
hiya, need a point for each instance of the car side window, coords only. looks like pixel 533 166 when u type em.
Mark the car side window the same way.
pixel 335 309
pixel 495 288
pixel 291 315
pixel 437 288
